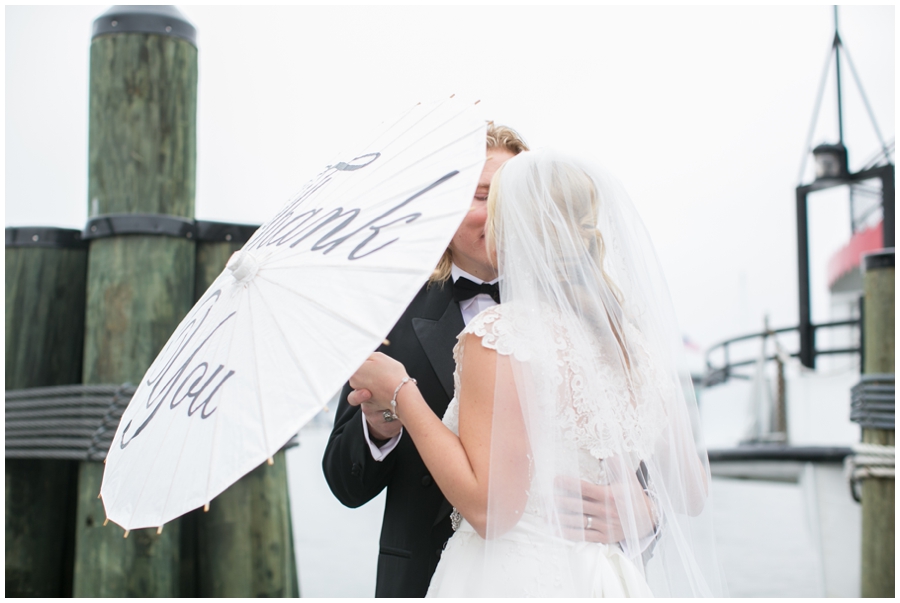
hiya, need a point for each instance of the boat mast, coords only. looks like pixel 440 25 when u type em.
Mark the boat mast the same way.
pixel 837 65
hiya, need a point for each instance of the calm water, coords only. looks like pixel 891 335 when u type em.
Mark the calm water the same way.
pixel 766 537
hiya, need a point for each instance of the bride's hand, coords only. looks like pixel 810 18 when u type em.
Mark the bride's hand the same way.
pixel 594 513
pixel 380 375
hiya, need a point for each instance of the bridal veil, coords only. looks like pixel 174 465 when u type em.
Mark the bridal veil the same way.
pixel 589 387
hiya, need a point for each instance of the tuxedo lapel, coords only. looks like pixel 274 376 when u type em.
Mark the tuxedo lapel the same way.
pixel 438 336
pixel 437 331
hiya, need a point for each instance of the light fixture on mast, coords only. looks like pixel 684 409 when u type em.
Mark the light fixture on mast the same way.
pixel 831 162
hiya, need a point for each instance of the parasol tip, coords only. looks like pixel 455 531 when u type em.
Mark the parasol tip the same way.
pixel 159 530
pixel 478 101
pixel 100 495
pixel 386 342
pixel 270 460
pixel 452 95
pixel 206 508
pixel 106 521
pixel 126 533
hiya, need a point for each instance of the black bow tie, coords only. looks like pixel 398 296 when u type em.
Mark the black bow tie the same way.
pixel 464 289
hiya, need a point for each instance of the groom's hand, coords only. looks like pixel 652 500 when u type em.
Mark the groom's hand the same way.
pixel 589 511
pixel 379 430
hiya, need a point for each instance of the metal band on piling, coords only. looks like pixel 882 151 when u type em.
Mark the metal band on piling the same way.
pixel 161 20
pixel 112 225
pixel 883 258
pixel 218 232
pixel 39 236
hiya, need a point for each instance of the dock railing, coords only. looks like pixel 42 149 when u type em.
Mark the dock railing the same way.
pixel 720 367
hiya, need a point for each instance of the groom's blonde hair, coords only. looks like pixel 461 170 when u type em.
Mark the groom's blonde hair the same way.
pixel 498 137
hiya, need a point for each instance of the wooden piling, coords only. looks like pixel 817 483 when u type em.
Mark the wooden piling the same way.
pixel 45 284
pixel 45 288
pixel 245 545
pixel 877 577
pixel 142 159
pixel 216 242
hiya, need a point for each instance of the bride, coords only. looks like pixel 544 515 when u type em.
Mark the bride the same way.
pixel 575 376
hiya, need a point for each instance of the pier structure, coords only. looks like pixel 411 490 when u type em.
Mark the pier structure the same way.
pixel 144 261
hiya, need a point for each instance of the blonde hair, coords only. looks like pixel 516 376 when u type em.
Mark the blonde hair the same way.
pixel 498 137
pixel 575 195
pixel 504 137
pixel 577 185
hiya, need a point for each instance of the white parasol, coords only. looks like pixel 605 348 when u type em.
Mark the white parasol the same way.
pixel 294 314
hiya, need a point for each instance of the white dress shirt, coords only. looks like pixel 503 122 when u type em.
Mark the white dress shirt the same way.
pixel 470 308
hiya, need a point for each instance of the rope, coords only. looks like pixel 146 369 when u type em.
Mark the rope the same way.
pixel 868 461
pixel 872 401
pixel 67 422
pixel 101 440
pixel 812 126
pixel 64 390
pixel 871 113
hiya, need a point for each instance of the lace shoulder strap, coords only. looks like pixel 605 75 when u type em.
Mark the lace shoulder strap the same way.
pixel 502 329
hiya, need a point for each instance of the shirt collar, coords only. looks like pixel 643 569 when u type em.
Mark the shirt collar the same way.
pixel 456 272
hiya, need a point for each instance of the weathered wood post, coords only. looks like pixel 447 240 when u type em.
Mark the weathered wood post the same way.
pixel 216 241
pixel 875 412
pixel 245 545
pixel 141 162
pixel 45 283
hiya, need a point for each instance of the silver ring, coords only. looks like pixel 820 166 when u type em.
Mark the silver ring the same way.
pixel 388 416
pixel 590 520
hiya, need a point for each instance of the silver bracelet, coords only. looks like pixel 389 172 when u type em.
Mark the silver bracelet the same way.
pixel 394 416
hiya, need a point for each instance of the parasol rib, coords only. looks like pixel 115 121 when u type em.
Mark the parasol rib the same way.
pixel 262 414
pixel 347 268
pixel 361 182
pixel 314 336
pixel 395 137
pixel 300 365
pixel 215 432
pixel 325 309
pixel 374 189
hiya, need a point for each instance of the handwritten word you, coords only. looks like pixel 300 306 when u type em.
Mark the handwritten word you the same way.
pixel 185 378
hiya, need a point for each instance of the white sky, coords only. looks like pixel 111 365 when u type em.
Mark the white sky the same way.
pixel 702 112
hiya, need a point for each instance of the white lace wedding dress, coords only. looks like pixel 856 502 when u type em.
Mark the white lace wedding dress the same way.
pixel 527 560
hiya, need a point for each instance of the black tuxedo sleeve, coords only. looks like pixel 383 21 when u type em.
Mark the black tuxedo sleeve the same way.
pixel 353 475
pixel 416 521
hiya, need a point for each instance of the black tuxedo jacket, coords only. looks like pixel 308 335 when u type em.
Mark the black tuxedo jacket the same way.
pixel 416 522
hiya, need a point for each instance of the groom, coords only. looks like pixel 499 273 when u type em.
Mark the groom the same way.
pixel 366 454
